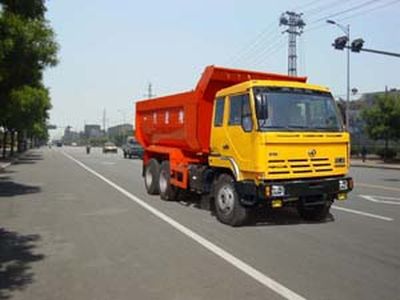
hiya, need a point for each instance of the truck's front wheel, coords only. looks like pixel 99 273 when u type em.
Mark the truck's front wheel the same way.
pixel 227 205
pixel 151 177
pixel 167 191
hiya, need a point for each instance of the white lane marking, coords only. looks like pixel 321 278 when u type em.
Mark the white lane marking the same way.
pixel 236 262
pixel 377 186
pixel 357 212
pixel 381 199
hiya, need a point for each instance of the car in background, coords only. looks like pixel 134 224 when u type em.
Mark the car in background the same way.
pixel 132 148
pixel 74 144
pixel 109 147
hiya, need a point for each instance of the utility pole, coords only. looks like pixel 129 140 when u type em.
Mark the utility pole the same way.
pixel 295 25
pixel 150 91
pixel 104 122
pixel 339 44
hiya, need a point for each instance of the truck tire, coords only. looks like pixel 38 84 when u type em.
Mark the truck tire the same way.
pixel 151 177
pixel 168 192
pixel 227 205
pixel 315 213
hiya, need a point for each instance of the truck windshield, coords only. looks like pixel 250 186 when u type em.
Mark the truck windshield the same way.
pixel 296 110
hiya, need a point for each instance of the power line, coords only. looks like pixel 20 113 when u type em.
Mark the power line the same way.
pixel 301 7
pixel 253 41
pixel 253 45
pixel 262 48
pixel 267 51
pixel 357 14
pixel 320 9
pixel 370 10
pixel 367 3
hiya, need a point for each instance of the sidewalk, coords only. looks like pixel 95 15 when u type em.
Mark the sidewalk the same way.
pixel 4 164
pixel 356 162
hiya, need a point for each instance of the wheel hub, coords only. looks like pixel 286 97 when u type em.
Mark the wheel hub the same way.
pixel 225 199
pixel 163 182
pixel 149 177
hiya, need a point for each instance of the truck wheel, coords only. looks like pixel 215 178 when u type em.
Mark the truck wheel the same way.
pixel 151 176
pixel 168 192
pixel 315 213
pixel 227 205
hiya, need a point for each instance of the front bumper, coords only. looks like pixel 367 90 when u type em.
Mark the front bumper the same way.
pixel 251 193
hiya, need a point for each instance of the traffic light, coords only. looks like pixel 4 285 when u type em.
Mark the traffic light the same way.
pixel 340 42
pixel 356 45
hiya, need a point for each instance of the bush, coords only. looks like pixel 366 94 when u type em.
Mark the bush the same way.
pixel 390 153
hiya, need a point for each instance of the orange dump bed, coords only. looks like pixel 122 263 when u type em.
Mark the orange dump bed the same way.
pixel 183 120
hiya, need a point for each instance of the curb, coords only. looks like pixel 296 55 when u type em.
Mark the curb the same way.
pixel 375 167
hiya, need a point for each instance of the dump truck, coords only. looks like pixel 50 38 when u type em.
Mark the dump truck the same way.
pixel 247 141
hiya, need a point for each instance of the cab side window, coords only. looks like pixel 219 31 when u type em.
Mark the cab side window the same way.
pixel 219 112
pixel 235 110
pixel 240 112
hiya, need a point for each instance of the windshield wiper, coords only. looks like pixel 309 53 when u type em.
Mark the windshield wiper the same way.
pixel 277 127
pixel 327 128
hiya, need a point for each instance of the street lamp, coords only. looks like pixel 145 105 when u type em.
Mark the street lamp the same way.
pixel 346 30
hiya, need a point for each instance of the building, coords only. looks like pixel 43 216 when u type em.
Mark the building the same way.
pixel 118 130
pixel 70 136
pixel 93 131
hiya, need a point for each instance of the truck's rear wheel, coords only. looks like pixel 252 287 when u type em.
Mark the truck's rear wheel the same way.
pixel 151 177
pixel 315 212
pixel 227 205
pixel 167 191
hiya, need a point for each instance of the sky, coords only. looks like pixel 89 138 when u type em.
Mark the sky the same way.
pixel 111 50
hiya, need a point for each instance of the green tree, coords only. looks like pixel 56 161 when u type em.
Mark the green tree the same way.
pixel 33 9
pixel 382 119
pixel 27 47
pixel 28 110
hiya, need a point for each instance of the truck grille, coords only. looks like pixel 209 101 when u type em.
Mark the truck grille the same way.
pixel 299 166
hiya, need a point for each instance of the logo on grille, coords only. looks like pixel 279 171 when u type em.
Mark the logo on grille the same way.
pixel 312 152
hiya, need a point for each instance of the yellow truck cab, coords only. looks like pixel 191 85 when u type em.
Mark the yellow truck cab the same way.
pixel 284 143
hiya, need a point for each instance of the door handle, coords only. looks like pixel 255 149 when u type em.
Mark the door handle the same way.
pixel 225 146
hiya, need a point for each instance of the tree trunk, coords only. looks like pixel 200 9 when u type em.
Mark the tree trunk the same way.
pixel 385 153
pixel 20 141
pixel 12 143
pixel 5 143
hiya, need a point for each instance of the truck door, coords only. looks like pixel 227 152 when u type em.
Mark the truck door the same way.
pixel 234 139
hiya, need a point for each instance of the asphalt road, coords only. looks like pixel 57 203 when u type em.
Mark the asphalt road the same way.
pixel 77 226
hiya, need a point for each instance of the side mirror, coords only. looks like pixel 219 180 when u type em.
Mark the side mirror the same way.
pixel 262 107
pixel 247 123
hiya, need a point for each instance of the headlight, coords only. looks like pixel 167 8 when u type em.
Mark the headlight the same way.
pixel 343 185
pixel 277 190
pixel 340 160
